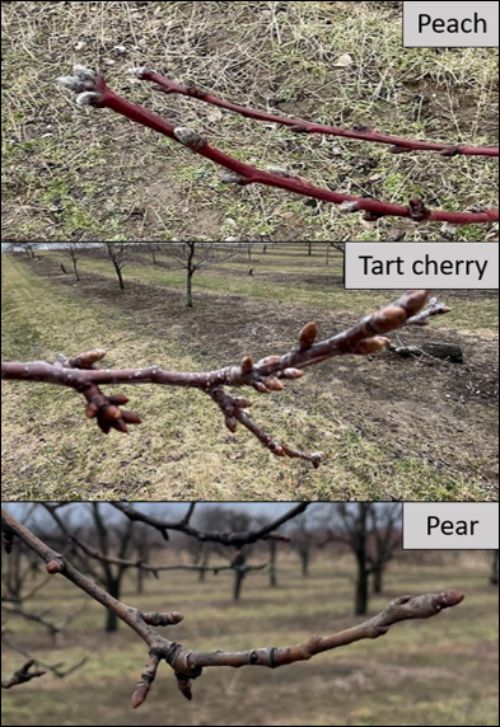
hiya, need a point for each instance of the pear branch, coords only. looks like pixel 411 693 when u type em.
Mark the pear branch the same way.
pixel 188 664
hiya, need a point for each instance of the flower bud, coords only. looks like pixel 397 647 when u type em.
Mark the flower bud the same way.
pixel 274 384
pixel 246 365
pixel 111 412
pixel 389 318
pixel 54 566
pixel 189 137
pixel 91 410
pixel 293 373
pixel 371 345
pixel 307 335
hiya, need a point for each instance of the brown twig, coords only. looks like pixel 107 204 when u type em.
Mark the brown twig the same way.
pixel 265 376
pixel 22 675
pixel 93 90
pixel 188 664
pixel 234 539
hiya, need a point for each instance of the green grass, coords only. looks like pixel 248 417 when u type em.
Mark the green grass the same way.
pixel 91 175
pixel 440 671
pixel 389 428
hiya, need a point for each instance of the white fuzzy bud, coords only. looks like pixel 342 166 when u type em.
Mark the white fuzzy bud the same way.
pixel 348 206
pixel 280 171
pixel 231 178
pixel 87 98
pixel 83 73
pixel 138 71
pixel 189 137
pixel 71 82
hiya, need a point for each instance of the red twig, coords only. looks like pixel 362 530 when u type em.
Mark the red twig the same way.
pixel 265 375
pixel 93 90
pixel 362 133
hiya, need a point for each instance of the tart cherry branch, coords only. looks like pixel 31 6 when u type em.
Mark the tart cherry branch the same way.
pixel 399 144
pixel 92 90
pixel 188 664
pixel 265 375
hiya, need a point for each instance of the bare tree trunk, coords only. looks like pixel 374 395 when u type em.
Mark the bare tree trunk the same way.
pixel 204 563
pixel 494 569
pixel 189 289
pixel 378 573
pixel 361 597
pixel 239 575
pixel 304 561
pixel 75 268
pixel 119 274
pixel 111 622
pixel 273 577
pixel 190 272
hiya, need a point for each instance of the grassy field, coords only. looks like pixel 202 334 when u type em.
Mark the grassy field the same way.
pixel 438 672
pixel 390 427
pixel 90 175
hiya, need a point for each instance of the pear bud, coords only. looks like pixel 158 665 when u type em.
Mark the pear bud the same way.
pixel 139 695
pixel 54 566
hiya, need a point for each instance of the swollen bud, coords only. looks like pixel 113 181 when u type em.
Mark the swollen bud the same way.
pixel 277 449
pixel 293 373
pixel 54 566
pixel 112 412
pixel 274 384
pixel 389 318
pixel 269 361
pixel 316 459
pixel 91 410
pixel 87 359
pixel 307 335
pixel 184 686
pixel 189 137
pixel 139 695
pixel 413 301
pixel 371 345
pixel 118 399
pixel 241 402
pixel 131 417
pixel 246 365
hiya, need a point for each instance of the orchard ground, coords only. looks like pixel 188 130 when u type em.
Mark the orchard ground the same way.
pixel 390 428
pixel 440 671
pixel 87 174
